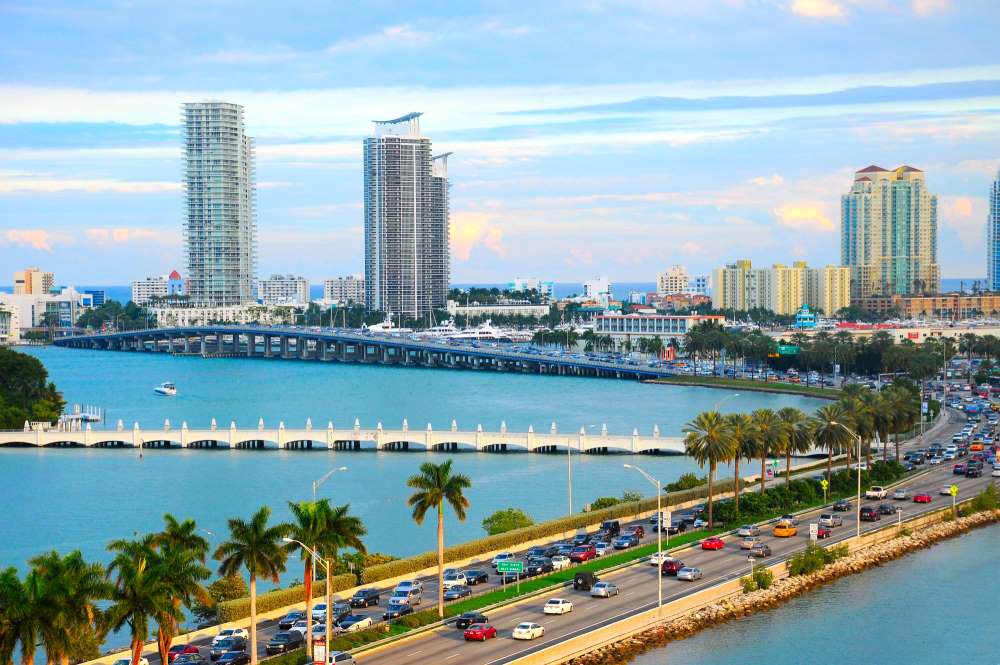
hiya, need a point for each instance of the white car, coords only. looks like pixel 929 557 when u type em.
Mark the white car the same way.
pixel 945 490
pixel 831 520
pixel 455 579
pixel 935 460
pixel 300 627
pixel 689 573
pixel 560 561
pixel 557 606
pixel 658 558
pixel 319 612
pixel 224 634
pixel 602 548
pixel 361 624
pixel 527 631
pixel 128 661
pixel 503 556
pixel 995 473
pixel 748 530
pixel 407 585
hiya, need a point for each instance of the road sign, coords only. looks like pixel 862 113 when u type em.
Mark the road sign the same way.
pixel 954 490
pixel 510 566
pixel 814 532
pixel 824 484
pixel 319 654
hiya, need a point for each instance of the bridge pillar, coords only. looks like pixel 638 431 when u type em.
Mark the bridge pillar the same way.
pixel 251 345
pixel 324 351
pixel 284 346
pixel 267 346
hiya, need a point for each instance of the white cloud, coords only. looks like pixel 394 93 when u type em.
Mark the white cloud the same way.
pixel 474 229
pixel 930 7
pixel 39 239
pixel 123 235
pixel 818 9
pixel 391 36
pixel 42 183
pixel 966 216
pixel 804 216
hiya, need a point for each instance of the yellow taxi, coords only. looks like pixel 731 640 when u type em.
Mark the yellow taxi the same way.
pixel 784 530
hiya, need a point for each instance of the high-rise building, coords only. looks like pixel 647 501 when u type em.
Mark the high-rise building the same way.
pixel 700 285
pixel 284 290
pixel 889 233
pixel 781 289
pixel 673 281
pixel 993 238
pixel 344 289
pixel 220 229
pixel 33 282
pixel 148 289
pixel 406 220
pixel 97 296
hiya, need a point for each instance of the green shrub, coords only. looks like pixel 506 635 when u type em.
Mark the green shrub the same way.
pixel 988 499
pixel 239 608
pixel 506 520
pixel 297 657
pixel 814 557
pixel 686 481
pixel 762 578
pixel 748 583
pixel 603 502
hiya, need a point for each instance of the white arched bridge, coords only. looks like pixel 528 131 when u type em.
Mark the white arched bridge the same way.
pixel 354 438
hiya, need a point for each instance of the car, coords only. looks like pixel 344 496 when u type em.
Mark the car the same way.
pixel 480 632
pixel 560 561
pixel 476 576
pixel 287 621
pixel 611 527
pixel 657 558
pixel 958 469
pixel 922 497
pixel 936 459
pixel 974 472
pixel 469 618
pixel 602 548
pixel 604 590
pixel 302 626
pixel 410 584
pixel 760 550
pixel 900 495
pixel 234 658
pixel 408 596
pixel 456 592
pixel 831 520
pixel 625 542
pixel 512 577
pixel 230 632
pixel 699 523
pixel 791 519
pixel 671 566
pixel 876 492
pixel 748 530
pixel 396 610
pixel 128 661
pixel 784 529
pixel 284 642
pixel 713 543
pixel 319 612
pixel 340 658
pixel 355 623
pixel 178 649
pixel 583 553
pixel 365 598
pixel 886 509
pixel 584 581
pixel 689 573
pixel 539 566
pixel 870 514
pixel 823 532
pixel 526 630
pixel 748 542
pixel 503 556
pixel 557 606
pixel 676 527
pixel 535 553
pixel 842 506
pixel 945 490
pixel 227 644
pixel 995 473
pixel 454 579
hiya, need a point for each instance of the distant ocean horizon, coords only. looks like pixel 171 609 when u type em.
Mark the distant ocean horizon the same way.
pixel 562 289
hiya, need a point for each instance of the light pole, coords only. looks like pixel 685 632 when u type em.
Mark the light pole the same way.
pixel 857 508
pixel 326 476
pixel 569 476
pixel 659 532
pixel 326 642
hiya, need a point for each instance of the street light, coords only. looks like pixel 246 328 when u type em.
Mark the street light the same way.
pixel 309 641
pixel 659 532
pixel 857 508
pixel 326 476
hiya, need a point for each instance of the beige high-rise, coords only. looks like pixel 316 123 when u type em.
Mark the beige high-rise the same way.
pixel 781 289
pixel 888 233
pixel 33 282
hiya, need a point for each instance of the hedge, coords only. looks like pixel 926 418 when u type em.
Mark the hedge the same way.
pixel 517 537
pixel 296 657
pixel 232 610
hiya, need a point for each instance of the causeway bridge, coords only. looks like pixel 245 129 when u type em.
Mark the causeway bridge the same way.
pixel 356 346
pixel 354 438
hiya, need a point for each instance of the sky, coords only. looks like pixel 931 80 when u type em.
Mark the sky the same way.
pixel 590 137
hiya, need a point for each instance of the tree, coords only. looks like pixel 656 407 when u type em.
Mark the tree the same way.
pixel 769 434
pixel 255 546
pixel 25 392
pixel 341 530
pixel 798 436
pixel 506 520
pixel 19 624
pixel 829 435
pixel 709 440
pixel 744 446
pixel 182 554
pixel 308 528
pixel 435 485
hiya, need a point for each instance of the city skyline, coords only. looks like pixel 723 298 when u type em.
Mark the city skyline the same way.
pixel 619 161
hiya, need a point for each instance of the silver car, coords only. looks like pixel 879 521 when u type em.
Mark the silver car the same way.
pixel 604 590
pixel 901 495
pixel 831 520
pixel 689 574
pixel 748 530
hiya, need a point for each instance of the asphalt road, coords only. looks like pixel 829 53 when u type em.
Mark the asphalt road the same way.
pixel 587 612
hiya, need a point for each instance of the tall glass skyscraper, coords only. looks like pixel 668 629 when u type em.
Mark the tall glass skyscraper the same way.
pixel 220 230
pixel 993 238
pixel 406 220
pixel 888 233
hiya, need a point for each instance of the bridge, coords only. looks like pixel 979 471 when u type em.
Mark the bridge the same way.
pixel 354 346
pixel 354 438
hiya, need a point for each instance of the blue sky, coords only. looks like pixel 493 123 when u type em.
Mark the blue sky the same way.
pixel 590 138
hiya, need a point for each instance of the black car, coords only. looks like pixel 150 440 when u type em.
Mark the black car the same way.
pixel 227 644
pixel 535 553
pixel 870 514
pixel 468 618
pixel 235 658
pixel 287 621
pixel 364 598
pixel 396 610
pixel 842 506
pixel 886 509
pixel 340 610
pixel 539 566
pixel 613 527
pixel 676 527
pixel 973 472
pixel 284 642
pixel 551 550
pixel 583 581
pixel 476 576
pixel 457 591
pixel 580 539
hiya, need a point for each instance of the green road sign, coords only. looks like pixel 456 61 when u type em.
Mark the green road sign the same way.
pixel 954 490
pixel 510 566
pixel 788 350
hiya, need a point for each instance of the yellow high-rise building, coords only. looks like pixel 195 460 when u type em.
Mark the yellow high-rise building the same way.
pixel 781 289
pixel 33 282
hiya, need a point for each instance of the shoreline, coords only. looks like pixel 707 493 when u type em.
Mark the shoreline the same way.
pixel 750 386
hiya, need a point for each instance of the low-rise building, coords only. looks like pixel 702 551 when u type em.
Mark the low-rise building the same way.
pixel 944 305
pixel 284 290
pixel 781 289
pixel 60 308
pixel 147 289
pixel 546 289
pixel 349 289
pixel 664 326
pixel 10 325
pixel 97 296
pixel 501 308
pixel 168 316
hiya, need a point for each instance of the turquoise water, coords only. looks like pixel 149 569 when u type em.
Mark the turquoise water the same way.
pixel 934 606
pixel 68 498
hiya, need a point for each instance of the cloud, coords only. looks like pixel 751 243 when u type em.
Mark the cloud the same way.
pixel 691 247
pixel 773 180
pixel 805 216
pixel 12 182
pixel 965 216
pixel 930 7
pixel 473 229
pixel 392 36
pixel 579 256
pixel 121 235
pixel 818 9
pixel 35 238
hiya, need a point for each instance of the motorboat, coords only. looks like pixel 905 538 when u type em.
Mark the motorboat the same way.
pixel 166 388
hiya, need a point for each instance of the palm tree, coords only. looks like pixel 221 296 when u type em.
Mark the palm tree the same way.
pixel 256 546
pixel 436 484
pixel 798 436
pixel 769 433
pixel 904 410
pixel 308 528
pixel 709 439
pixel 19 617
pixel 67 590
pixel 343 530
pixel 183 553
pixel 744 446
pixel 139 594
pixel 829 434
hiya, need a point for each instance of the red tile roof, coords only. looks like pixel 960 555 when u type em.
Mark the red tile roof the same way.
pixel 175 275
pixel 872 169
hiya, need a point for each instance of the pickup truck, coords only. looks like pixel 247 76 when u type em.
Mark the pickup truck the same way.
pixel 877 492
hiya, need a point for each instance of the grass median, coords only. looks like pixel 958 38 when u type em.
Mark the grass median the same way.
pixel 750 384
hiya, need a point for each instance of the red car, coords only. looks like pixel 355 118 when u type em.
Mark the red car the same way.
pixel 178 649
pixel 823 532
pixel 713 543
pixel 670 567
pixel 480 631
pixel 583 553
pixel 923 497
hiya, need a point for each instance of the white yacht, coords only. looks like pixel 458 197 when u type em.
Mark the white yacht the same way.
pixel 166 388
